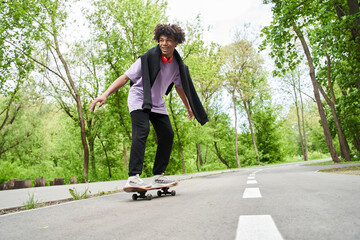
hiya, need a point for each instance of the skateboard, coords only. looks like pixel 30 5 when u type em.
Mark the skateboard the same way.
pixel 141 192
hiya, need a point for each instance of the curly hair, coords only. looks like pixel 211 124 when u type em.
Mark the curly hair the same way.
pixel 168 30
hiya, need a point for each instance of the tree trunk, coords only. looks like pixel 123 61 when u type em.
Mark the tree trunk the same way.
pixel 43 145
pixel 353 10
pixel 236 135
pixel 125 155
pixel 92 156
pixel 91 144
pixel 122 121
pixel 78 105
pixel 306 158
pixel 83 139
pixel 106 156
pixel 197 163
pixel 357 142
pixel 298 119
pixel 219 155
pixel 206 154
pixel 198 149
pixel 354 130
pixel 82 131
pixel 344 146
pixel 251 131
pixel 315 83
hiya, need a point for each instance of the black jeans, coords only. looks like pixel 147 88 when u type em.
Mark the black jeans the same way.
pixel 140 131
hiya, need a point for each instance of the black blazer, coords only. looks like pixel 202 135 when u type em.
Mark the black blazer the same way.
pixel 150 67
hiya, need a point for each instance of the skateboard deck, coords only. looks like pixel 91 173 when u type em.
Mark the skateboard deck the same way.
pixel 142 192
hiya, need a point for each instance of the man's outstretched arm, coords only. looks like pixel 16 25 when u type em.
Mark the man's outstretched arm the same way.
pixel 182 95
pixel 116 85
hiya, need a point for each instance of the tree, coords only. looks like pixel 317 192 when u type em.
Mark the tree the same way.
pixel 12 108
pixel 15 18
pixel 244 76
pixel 205 67
pixel 54 14
pixel 292 81
pixel 267 132
pixel 316 86
pixel 14 65
pixel 298 18
pixel 341 46
pixel 33 36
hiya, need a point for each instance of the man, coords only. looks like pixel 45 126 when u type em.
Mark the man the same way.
pixel 152 76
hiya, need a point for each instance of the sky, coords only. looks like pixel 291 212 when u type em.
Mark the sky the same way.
pixel 223 16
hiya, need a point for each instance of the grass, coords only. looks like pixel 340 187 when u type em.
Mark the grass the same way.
pixel 331 163
pixel 352 170
pixel 31 203
pixel 294 159
pixel 311 156
pixel 77 195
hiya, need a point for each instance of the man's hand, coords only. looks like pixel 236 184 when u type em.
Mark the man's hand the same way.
pixel 101 100
pixel 116 85
pixel 190 114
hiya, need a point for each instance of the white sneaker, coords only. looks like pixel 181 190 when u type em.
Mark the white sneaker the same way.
pixel 163 181
pixel 136 182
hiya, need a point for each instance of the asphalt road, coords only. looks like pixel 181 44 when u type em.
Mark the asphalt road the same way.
pixel 278 202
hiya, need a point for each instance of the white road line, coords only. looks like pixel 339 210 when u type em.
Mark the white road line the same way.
pixel 252 193
pixel 257 171
pixel 251 182
pixel 257 227
pixel 251 177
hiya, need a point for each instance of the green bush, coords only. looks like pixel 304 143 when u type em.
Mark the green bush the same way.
pixel 318 155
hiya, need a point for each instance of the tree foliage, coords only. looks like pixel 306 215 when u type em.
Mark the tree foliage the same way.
pixel 328 32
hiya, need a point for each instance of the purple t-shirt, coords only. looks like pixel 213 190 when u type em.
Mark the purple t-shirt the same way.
pixel 169 72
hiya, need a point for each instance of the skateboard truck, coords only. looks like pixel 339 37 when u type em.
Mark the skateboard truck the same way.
pixel 163 191
pixel 143 195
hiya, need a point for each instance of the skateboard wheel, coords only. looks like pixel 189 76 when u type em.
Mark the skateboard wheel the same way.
pixel 149 197
pixel 159 193
pixel 134 197
pixel 173 193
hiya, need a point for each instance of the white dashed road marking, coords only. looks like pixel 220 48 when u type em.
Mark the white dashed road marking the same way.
pixel 251 182
pixel 252 193
pixel 257 227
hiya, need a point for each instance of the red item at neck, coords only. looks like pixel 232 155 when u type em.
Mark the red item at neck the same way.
pixel 164 59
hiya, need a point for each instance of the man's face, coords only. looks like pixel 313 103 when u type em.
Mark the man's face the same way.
pixel 167 45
